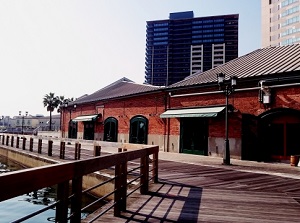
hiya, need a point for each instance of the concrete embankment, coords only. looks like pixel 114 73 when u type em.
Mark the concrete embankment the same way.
pixel 31 159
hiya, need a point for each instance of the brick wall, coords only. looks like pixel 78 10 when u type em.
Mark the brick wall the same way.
pixel 152 105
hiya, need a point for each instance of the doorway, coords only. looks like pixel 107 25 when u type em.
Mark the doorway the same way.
pixel 194 136
pixel 89 130
pixel 72 133
pixel 111 130
pixel 138 130
pixel 280 133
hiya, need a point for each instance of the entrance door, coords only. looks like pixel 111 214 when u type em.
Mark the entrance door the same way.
pixel 193 135
pixel 279 134
pixel 249 138
pixel 292 139
pixel 72 130
pixel 111 130
pixel 89 130
pixel 138 130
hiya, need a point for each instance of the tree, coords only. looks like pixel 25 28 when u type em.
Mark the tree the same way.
pixel 63 100
pixel 51 102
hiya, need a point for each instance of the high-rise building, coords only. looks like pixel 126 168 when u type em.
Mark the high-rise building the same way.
pixel 280 21
pixel 183 45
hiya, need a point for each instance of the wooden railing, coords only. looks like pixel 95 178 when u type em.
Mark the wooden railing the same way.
pixel 71 173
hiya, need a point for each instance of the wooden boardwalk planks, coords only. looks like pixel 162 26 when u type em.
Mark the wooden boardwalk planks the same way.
pixel 195 193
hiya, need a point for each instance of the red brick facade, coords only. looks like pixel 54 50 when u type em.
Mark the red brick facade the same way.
pixel 151 106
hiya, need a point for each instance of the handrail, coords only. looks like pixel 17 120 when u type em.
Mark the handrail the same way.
pixel 73 171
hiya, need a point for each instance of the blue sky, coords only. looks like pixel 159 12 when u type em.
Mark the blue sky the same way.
pixel 76 47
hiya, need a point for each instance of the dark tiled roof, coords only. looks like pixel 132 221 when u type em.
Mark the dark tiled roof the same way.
pixel 120 88
pixel 266 61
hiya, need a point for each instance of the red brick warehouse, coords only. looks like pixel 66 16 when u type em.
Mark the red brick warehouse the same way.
pixel 189 116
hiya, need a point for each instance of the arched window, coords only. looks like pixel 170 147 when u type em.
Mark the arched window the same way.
pixel 111 129
pixel 138 130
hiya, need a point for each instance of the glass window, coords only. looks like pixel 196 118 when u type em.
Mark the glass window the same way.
pixel 160 43
pixel 219 25
pixel 197 22
pixel 160 24
pixel 219 20
pixel 208 21
pixel 290 11
pixel 111 129
pixel 138 130
pixel 197 27
pixel 291 21
pixel 288 2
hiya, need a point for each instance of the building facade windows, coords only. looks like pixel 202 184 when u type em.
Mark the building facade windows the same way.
pixel 161 24
pixel 160 43
pixel 290 41
pixel 218 25
pixel 290 31
pixel 290 21
pixel 169 58
pixel 161 29
pixel 160 38
pixel 288 2
pixel 290 11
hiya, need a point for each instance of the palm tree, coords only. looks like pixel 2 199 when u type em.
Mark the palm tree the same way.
pixel 51 102
pixel 63 100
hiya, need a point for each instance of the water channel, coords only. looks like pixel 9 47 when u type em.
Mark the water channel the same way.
pixel 15 208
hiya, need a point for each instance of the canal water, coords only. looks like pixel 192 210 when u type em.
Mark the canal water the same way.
pixel 15 208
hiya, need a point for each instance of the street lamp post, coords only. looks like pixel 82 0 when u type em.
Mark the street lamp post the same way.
pixel 227 88
pixel 70 109
pixel 20 114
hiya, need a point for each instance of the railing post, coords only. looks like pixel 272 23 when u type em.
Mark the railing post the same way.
pixel 76 200
pixel 97 150
pixel 50 144
pixel 12 141
pixel 40 146
pixel 61 213
pixel 7 140
pixel 24 143
pixel 77 150
pixel 155 166
pixel 18 142
pixel 3 139
pixel 31 144
pixel 144 175
pixel 121 188
pixel 62 150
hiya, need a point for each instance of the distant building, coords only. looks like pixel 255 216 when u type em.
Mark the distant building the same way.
pixel 280 21
pixel 44 123
pixel 183 45
pixel 30 124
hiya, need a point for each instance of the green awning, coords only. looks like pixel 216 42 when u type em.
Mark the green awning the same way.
pixel 205 112
pixel 85 118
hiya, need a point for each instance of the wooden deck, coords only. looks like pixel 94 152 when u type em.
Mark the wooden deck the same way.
pixel 196 193
pixel 203 193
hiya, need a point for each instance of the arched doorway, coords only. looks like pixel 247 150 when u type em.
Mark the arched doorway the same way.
pixel 72 130
pixel 279 133
pixel 138 130
pixel 111 129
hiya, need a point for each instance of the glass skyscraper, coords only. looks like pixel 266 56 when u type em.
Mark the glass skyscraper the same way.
pixel 280 22
pixel 183 45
